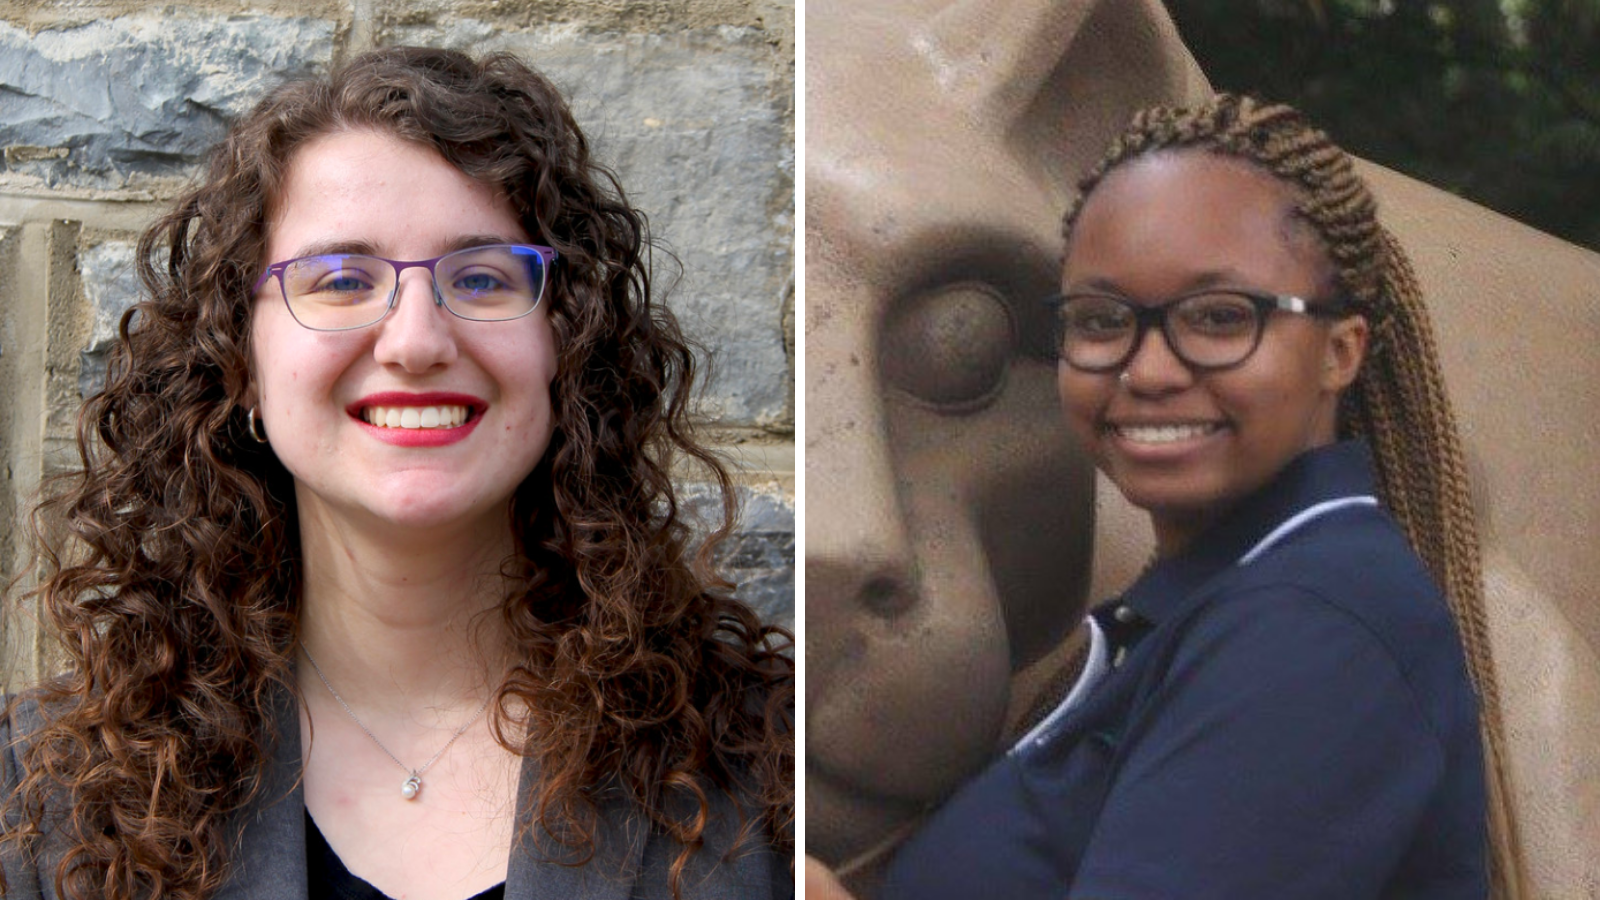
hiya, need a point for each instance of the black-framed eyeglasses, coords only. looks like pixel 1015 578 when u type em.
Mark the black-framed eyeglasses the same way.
pixel 1208 330
pixel 341 291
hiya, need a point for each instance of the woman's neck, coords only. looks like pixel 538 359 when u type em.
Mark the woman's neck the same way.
pixel 399 623
pixel 1174 532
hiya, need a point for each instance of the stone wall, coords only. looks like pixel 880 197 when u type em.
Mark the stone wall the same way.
pixel 106 109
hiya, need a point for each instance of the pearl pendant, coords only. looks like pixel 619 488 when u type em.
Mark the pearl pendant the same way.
pixel 410 788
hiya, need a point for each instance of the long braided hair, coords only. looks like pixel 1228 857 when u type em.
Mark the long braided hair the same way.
pixel 1398 401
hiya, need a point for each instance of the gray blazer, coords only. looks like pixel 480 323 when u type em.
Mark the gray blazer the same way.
pixel 270 863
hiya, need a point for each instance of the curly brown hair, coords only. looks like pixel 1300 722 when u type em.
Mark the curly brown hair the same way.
pixel 1398 402
pixel 178 605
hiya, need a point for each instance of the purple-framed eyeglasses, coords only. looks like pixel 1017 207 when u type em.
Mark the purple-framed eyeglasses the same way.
pixel 341 291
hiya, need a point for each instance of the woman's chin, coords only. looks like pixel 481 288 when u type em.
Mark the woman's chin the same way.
pixel 423 520
pixel 1167 500
pixel 443 522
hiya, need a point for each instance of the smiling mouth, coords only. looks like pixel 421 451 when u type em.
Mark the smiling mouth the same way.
pixel 1164 434
pixel 415 416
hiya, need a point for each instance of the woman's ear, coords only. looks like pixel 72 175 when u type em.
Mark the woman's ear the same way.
pixel 1345 349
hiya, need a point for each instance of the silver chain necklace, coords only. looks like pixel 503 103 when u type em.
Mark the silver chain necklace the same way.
pixel 413 783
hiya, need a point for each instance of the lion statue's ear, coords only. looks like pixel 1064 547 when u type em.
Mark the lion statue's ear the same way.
pixel 1007 62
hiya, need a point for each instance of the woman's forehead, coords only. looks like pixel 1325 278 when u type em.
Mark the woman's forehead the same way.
pixel 1193 209
pixel 1192 177
pixel 362 185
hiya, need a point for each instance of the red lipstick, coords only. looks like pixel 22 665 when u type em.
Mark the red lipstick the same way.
pixel 419 437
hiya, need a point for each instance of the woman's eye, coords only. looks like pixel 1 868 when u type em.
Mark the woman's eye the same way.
pixel 1217 318
pixel 951 346
pixel 344 283
pixel 478 283
pixel 1100 325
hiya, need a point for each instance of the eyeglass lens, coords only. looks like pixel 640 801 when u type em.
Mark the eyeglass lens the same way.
pixel 1214 330
pixel 338 291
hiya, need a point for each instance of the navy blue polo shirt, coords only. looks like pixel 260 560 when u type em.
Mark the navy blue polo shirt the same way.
pixel 1290 717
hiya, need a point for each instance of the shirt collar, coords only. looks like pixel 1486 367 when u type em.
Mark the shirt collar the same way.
pixel 1336 470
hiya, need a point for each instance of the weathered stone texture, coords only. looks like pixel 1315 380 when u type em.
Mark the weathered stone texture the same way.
pixel 13 657
pixel 758 557
pixel 113 104
pixel 111 286
pixel 11 335
pixel 66 331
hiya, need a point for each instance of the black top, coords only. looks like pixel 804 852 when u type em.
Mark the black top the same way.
pixel 328 879
pixel 1293 721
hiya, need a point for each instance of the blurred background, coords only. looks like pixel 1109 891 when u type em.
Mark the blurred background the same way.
pixel 1497 101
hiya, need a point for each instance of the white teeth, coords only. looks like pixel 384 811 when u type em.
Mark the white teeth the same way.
pixel 415 416
pixel 1163 434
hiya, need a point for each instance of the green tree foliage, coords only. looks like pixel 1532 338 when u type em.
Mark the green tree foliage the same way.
pixel 1495 100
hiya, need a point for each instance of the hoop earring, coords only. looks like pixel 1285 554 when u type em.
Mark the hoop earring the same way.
pixel 254 427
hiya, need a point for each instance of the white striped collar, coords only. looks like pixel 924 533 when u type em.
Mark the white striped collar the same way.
pixel 1289 525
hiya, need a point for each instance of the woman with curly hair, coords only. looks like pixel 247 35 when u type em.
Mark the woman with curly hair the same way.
pixel 377 583
pixel 1296 699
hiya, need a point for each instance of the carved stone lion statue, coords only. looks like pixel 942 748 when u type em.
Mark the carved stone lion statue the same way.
pixel 954 536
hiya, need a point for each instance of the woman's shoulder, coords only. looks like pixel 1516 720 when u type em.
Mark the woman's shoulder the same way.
pixel 1359 563
pixel 737 859
pixel 1354 586
pixel 21 717
pixel 24 717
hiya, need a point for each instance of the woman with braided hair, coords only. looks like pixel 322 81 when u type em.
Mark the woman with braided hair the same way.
pixel 379 584
pixel 1296 699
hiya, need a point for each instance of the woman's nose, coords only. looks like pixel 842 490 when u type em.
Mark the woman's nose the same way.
pixel 1154 368
pixel 418 334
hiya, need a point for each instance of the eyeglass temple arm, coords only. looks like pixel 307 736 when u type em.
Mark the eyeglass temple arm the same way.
pixel 266 276
pixel 1335 308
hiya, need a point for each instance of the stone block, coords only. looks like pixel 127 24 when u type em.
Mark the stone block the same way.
pixel 698 126
pixel 115 104
pixel 14 335
pixel 65 332
pixel 758 556
pixel 110 285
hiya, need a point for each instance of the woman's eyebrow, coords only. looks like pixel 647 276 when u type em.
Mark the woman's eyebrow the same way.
pixel 367 248
pixel 482 240
pixel 1200 281
pixel 1095 285
pixel 336 247
pixel 1223 277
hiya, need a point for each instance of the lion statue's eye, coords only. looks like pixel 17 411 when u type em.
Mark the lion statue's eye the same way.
pixel 950 347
